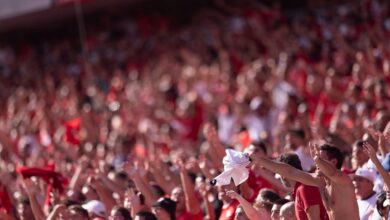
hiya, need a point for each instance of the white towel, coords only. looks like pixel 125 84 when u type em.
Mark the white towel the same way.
pixel 235 164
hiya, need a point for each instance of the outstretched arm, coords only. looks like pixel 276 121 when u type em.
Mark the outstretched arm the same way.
pixel 288 171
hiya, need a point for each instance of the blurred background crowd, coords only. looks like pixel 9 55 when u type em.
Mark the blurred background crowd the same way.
pixel 129 118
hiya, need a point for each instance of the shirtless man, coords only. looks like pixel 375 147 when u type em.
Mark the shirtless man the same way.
pixel 336 188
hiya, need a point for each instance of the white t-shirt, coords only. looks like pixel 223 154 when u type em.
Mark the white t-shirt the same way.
pixel 306 161
pixel 367 207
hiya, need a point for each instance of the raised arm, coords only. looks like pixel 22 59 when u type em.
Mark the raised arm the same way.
pixel 57 210
pixel 32 191
pixel 192 203
pixel 216 148
pixel 142 186
pixel 155 167
pixel 369 150
pixel 288 171
pixel 209 208
pixel 249 210
pixel 104 193
pixel 327 168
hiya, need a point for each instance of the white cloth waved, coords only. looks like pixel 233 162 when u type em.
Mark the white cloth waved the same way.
pixel 235 164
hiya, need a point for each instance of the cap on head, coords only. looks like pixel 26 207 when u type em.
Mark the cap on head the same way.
pixel 368 174
pixel 95 207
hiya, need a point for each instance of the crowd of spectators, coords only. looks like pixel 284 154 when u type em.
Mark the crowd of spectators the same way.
pixel 134 124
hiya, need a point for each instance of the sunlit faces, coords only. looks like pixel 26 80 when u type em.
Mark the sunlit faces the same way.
pixel 160 213
pixel 178 196
pixel 363 186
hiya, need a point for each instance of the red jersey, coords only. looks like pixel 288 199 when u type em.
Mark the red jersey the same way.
pixel 306 196
pixel 256 183
pixel 188 216
pixel 229 212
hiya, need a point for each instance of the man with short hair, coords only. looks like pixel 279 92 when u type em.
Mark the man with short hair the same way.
pixel 363 181
pixel 308 203
pixel 336 188
pixel 287 211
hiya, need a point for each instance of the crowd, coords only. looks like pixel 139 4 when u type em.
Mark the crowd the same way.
pixel 135 124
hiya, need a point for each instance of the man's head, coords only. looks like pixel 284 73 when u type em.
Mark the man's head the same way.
pixel 95 208
pixel 257 149
pixel 358 153
pixel 77 212
pixel 292 160
pixel 266 199
pixel 178 196
pixel 275 211
pixel 164 209
pixel 287 211
pixel 295 137
pixel 145 216
pixel 363 181
pixel 332 154
pixel 119 213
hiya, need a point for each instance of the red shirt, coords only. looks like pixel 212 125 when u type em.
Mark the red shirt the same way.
pixel 329 108
pixel 187 216
pixel 256 183
pixel 229 212
pixel 306 196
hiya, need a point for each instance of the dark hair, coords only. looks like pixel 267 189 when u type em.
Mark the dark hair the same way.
pixel 121 175
pixel 379 203
pixel 68 202
pixel 141 198
pixel 168 205
pixel 146 215
pixel 269 195
pixel 291 159
pixel 157 190
pixel 358 143
pixel 282 201
pixel 24 200
pixel 298 132
pixel 333 153
pixel 123 212
pixel 260 145
pixel 79 209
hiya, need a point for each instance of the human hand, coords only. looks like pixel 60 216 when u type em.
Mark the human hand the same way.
pixel 131 199
pixel 369 150
pixel 180 165
pixel 202 161
pixel 232 194
pixel 375 134
pixel 314 151
pixel 30 187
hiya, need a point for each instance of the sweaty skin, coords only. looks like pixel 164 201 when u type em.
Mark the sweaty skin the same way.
pixel 339 199
pixel 336 188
